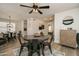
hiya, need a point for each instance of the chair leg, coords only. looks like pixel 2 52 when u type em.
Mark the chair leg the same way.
pixel 29 53
pixel 20 50
pixel 43 50
pixel 50 48
pixel 38 52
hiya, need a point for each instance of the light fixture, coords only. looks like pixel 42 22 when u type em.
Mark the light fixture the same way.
pixel 35 10
pixel 9 25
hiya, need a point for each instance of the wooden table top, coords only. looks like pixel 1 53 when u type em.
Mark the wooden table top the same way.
pixel 31 37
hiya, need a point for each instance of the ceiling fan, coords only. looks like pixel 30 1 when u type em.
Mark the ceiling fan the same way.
pixel 35 8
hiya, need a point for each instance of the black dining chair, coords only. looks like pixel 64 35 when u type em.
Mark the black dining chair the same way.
pixel 35 47
pixel 47 43
pixel 22 44
pixel 2 39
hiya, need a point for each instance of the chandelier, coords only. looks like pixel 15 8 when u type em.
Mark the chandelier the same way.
pixel 9 25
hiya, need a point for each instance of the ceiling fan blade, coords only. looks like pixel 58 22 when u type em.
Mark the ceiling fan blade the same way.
pixel 26 6
pixel 43 7
pixel 31 11
pixel 39 11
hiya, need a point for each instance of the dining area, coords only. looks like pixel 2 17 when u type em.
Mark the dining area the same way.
pixel 34 35
pixel 25 32
pixel 35 44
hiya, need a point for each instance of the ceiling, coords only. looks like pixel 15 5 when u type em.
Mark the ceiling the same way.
pixel 21 13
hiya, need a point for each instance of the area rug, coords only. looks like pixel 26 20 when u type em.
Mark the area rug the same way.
pixel 47 52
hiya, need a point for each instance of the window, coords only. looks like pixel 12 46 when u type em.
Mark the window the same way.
pixel 4 28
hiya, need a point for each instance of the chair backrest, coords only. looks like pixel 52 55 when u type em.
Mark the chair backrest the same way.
pixel 50 38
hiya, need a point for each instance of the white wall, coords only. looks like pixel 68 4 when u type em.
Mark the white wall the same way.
pixel 33 26
pixel 19 25
pixel 59 25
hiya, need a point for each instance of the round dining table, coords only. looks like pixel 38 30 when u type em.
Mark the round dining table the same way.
pixel 32 44
pixel 32 37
